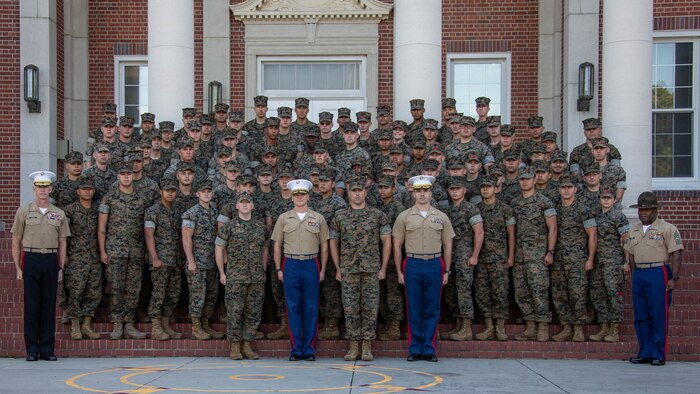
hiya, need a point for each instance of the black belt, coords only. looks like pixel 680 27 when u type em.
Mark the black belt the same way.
pixel 301 256
pixel 41 250
pixel 424 256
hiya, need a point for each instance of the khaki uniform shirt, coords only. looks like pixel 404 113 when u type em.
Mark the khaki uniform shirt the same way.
pixel 300 236
pixel 654 246
pixel 40 231
pixel 423 235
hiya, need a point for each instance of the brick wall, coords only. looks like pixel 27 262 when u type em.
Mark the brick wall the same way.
pixel 198 54
pixel 676 15
pixel 59 73
pixel 237 88
pixel 503 26
pixel 116 28
pixel 10 104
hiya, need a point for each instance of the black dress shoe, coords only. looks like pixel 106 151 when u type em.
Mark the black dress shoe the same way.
pixel 640 360
pixel 430 357
pixel 48 357
pixel 415 357
pixel 658 362
pixel 294 357
pixel 309 357
pixel 32 356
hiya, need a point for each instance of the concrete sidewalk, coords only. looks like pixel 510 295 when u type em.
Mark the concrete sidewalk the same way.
pixel 185 374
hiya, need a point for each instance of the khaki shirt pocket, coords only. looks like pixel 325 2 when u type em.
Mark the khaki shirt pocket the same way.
pixel 289 227
pixel 32 221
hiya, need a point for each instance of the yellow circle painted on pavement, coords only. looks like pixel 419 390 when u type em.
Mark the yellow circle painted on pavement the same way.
pixel 256 376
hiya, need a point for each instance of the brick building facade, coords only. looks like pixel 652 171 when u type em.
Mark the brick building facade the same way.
pixel 536 44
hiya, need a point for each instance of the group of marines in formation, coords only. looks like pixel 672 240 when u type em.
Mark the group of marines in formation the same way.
pixel 202 201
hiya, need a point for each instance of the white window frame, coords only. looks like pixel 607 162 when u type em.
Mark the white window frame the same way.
pixel 503 57
pixel 328 94
pixel 119 63
pixel 694 181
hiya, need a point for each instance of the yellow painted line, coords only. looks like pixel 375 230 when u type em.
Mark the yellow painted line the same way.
pixel 257 377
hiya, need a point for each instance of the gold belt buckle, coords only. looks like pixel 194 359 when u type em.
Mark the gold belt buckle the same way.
pixel 44 250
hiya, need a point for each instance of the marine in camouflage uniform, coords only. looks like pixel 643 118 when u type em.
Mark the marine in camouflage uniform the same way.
pixel 331 307
pixel 581 156
pixel 415 128
pixel 343 160
pixel 83 271
pixel 356 234
pixel 532 249
pixel 391 297
pixel 161 225
pixel 198 236
pixel 573 259
pixel 120 236
pixel 497 254
pixel 242 254
pixel 606 279
pixel 301 104
pixel 101 172
pixel 467 224
pixel 63 191
pixel 254 127
pixel 482 133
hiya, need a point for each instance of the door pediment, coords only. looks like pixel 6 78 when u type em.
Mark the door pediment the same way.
pixel 262 10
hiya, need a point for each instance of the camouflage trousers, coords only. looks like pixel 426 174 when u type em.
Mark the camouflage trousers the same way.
pixel 244 304
pixel 391 295
pixel 531 286
pixel 491 289
pixel 569 288
pixel 277 292
pixel 361 303
pixel 83 283
pixel 167 284
pixel 606 286
pixel 204 289
pixel 458 291
pixel 124 276
pixel 330 301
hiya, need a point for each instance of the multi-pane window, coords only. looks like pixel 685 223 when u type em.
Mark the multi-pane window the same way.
pixel 132 88
pixel 325 77
pixel 471 76
pixel 673 113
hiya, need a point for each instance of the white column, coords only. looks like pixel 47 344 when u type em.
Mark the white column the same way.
pixel 627 46
pixel 581 36
pixel 37 27
pixel 75 43
pixel 216 47
pixel 549 64
pixel 417 56
pixel 170 58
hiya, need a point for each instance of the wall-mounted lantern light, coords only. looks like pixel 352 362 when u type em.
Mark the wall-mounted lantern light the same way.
pixel 586 80
pixel 31 88
pixel 215 93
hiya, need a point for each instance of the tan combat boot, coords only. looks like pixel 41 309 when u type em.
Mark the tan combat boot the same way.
pixel 157 332
pixel 248 352
pixel 464 333
pixel 488 333
pixel 392 332
pixel 199 334
pixel 354 351
pixel 600 335
pixel 613 334
pixel 458 326
pixel 75 333
pixel 530 332
pixel 214 334
pixel 565 334
pixel 367 351
pixel 543 332
pixel 282 332
pixel 578 334
pixel 501 330
pixel 169 330
pixel 329 330
pixel 235 353
pixel 130 332
pixel 86 329
pixel 117 331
